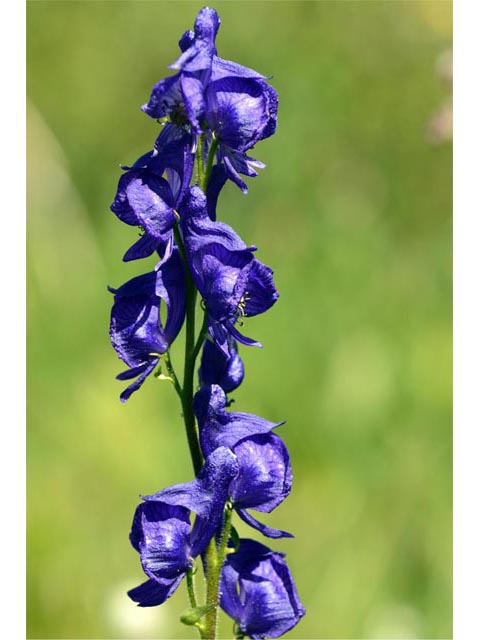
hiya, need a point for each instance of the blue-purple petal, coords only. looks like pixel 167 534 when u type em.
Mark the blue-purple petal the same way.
pixel 136 330
pixel 261 291
pixel 220 263
pixel 154 592
pixel 170 286
pixel 222 278
pixel 239 337
pixel 272 109
pixel 237 111
pixel 218 368
pixel 126 393
pixel 161 534
pixel 222 68
pixel 208 403
pixel 205 496
pixel 145 199
pixel 199 494
pixel 166 98
pixel 267 531
pixel 193 94
pixel 218 177
pixel 232 171
pixel 199 230
pixel 220 428
pixel 173 154
pixel 258 591
pixel 186 40
pixel 265 477
pixel 198 56
pixel 144 247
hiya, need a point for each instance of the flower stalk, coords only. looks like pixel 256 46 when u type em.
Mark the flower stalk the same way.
pixel 188 374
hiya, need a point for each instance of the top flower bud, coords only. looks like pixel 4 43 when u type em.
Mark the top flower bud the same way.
pixel 199 47
pixel 233 105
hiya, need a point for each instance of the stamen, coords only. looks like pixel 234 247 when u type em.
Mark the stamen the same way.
pixel 242 304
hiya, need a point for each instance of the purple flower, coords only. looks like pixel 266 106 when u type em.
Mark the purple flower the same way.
pixel 161 535
pixel 136 330
pixel 232 102
pixel 265 479
pixel 218 368
pixel 258 591
pixel 205 495
pixel 147 199
pixel 232 283
pixel 181 96
pixel 265 475
pixel 161 531
pixel 198 47
pixel 221 428
pixel 240 111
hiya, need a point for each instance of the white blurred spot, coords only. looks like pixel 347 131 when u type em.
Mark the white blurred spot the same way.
pixel 440 127
pixel 395 621
pixel 127 620
pixel 444 67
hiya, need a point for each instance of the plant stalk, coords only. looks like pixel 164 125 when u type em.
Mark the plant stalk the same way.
pixel 214 556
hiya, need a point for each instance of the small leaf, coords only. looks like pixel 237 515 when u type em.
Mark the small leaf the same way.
pixel 163 377
pixel 235 539
pixel 192 616
pixel 237 632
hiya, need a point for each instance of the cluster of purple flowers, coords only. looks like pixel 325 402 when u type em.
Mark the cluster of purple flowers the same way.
pixel 212 111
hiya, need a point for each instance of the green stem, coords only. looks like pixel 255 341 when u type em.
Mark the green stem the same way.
pixel 181 248
pixel 172 374
pixel 191 589
pixel 201 337
pixel 211 560
pixel 199 160
pixel 208 169
pixel 215 557
pixel 227 528
pixel 189 362
pixel 188 374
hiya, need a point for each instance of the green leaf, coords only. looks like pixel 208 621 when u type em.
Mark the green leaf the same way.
pixel 192 616
pixel 235 538
pixel 159 375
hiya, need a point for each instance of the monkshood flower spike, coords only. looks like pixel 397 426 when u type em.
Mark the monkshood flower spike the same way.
pixel 211 112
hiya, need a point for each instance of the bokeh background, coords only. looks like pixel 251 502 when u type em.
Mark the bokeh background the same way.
pixel 353 213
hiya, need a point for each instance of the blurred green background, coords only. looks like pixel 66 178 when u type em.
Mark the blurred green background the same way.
pixel 353 213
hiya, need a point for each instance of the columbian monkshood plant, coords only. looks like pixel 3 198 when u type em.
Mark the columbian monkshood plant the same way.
pixel 212 111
